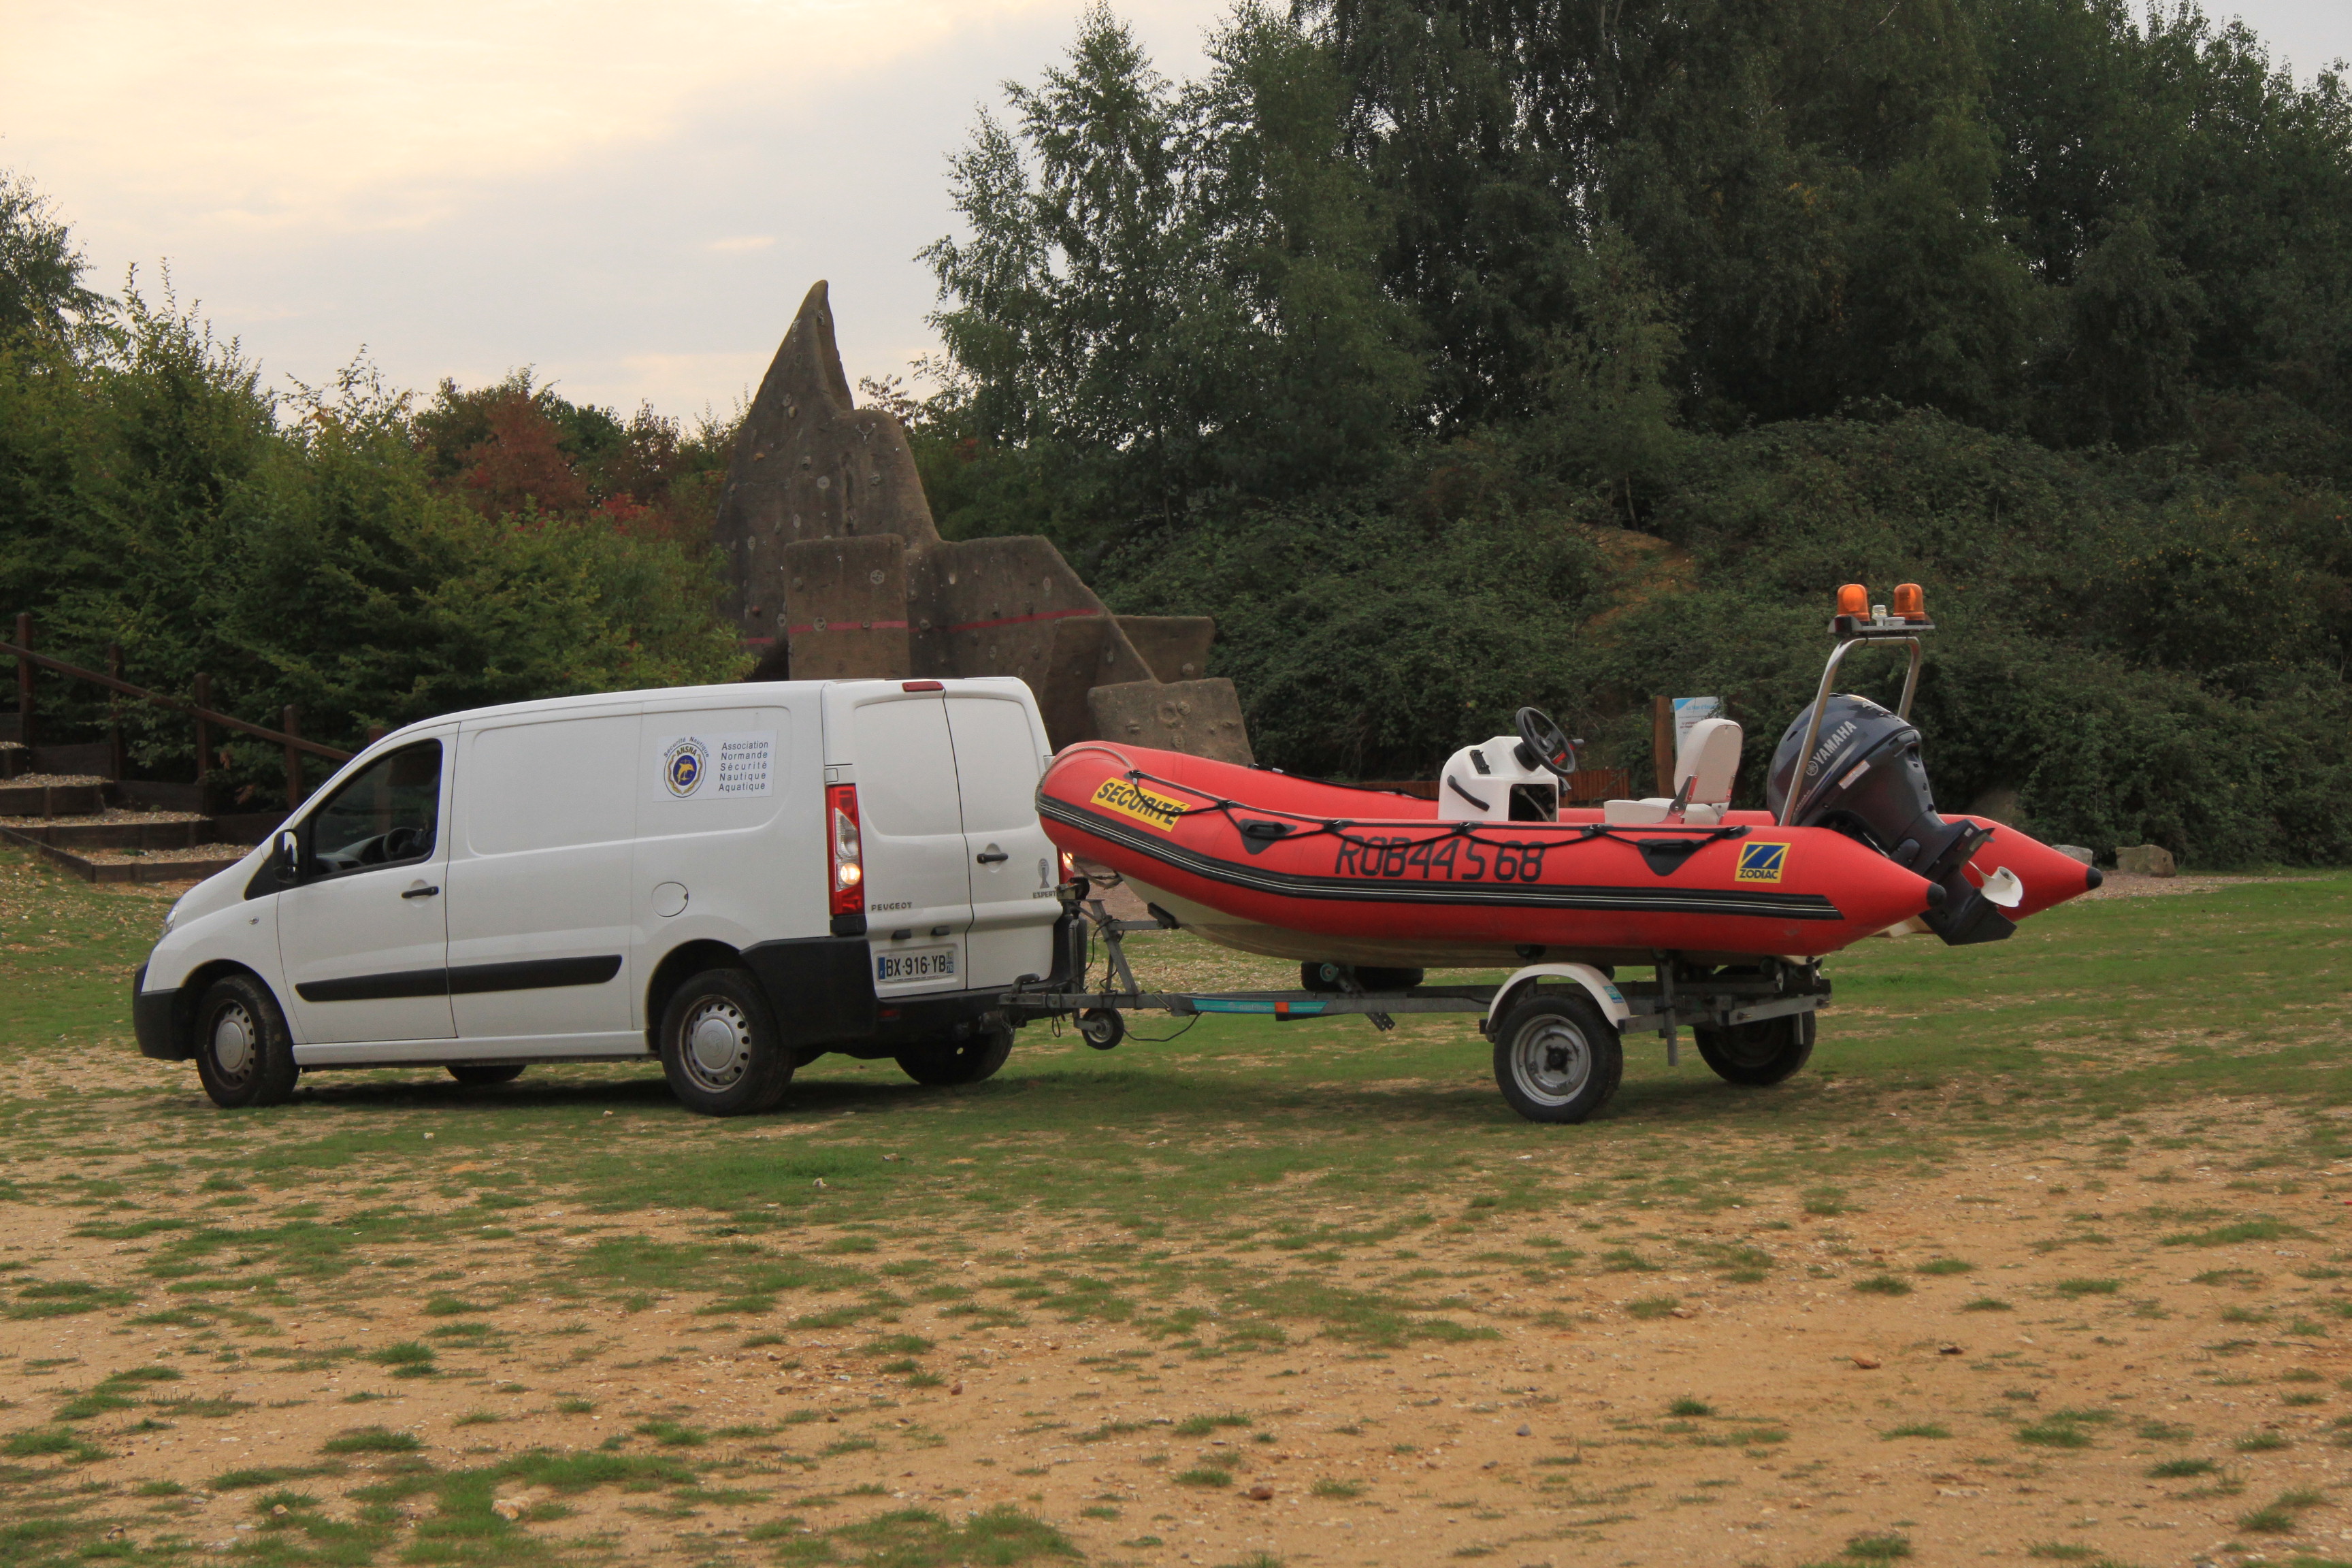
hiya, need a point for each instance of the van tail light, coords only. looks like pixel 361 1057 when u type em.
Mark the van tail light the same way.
pixel 1069 867
pixel 844 850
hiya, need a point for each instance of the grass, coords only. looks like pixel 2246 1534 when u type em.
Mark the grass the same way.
pixel 2279 1516
pixel 1243 1162
pixel 372 1441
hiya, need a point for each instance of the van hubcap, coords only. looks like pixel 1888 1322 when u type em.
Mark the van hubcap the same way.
pixel 1551 1060
pixel 718 1044
pixel 231 1043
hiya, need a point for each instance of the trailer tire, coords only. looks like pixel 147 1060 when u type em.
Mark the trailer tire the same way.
pixel 1557 1057
pixel 1102 1028
pixel 720 1048
pixel 244 1055
pixel 1757 1054
pixel 972 1060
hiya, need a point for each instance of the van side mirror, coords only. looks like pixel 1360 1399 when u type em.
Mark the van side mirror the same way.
pixel 285 860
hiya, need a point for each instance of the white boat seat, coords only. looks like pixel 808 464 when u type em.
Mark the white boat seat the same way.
pixel 1708 761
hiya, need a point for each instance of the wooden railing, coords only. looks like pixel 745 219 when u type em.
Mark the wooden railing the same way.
pixel 199 709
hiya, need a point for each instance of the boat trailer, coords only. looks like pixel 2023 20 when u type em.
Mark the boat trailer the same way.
pixel 1680 997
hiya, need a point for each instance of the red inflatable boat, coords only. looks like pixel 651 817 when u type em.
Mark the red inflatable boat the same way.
pixel 1494 871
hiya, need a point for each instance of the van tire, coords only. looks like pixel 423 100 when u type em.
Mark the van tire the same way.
pixel 720 1048
pixel 244 1055
pixel 477 1074
pixel 973 1059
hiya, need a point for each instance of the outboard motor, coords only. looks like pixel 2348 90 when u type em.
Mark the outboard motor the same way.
pixel 1864 778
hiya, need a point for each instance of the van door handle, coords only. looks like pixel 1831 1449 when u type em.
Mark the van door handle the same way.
pixel 420 892
pixel 991 857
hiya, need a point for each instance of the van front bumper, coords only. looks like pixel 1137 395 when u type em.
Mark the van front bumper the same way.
pixel 154 1018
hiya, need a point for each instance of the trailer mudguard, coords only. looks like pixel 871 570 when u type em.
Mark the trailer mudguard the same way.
pixel 1599 987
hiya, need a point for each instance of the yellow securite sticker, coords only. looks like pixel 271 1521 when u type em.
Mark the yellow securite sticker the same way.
pixel 1133 800
pixel 1761 862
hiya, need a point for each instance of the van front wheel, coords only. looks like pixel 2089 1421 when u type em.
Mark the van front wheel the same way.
pixel 972 1060
pixel 720 1048
pixel 244 1055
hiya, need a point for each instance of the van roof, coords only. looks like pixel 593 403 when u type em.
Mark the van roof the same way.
pixel 734 694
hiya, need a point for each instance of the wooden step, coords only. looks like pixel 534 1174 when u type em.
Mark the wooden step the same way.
pixel 116 829
pixel 31 794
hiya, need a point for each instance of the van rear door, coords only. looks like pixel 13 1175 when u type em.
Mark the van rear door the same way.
pixel 918 895
pixel 1000 750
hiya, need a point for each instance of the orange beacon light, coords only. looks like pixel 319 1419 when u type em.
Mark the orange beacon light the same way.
pixel 1910 603
pixel 1854 599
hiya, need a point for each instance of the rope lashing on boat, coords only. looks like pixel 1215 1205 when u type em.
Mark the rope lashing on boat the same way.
pixel 1674 850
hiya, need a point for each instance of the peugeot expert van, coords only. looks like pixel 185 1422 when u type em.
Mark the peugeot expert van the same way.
pixel 735 879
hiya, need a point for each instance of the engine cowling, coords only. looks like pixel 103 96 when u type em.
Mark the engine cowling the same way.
pixel 1864 778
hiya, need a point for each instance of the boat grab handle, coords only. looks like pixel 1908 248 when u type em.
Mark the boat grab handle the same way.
pixel 1814 726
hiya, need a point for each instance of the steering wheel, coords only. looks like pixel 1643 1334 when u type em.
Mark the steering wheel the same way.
pixel 1543 743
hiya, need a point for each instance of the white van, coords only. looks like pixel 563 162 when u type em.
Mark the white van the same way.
pixel 734 878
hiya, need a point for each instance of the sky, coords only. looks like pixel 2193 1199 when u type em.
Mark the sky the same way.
pixel 630 198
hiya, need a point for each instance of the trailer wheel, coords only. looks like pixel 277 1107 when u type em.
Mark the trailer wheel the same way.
pixel 720 1048
pixel 973 1059
pixel 1102 1028
pixel 1757 1053
pixel 244 1055
pixel 1556 1057
pixel 480 1074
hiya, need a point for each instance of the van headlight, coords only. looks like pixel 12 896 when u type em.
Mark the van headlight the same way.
pixel 171 918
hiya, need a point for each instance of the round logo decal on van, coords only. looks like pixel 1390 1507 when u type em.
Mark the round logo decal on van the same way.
pixel 682 766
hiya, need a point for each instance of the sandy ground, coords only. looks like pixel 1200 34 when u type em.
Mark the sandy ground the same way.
pixel 1552 1442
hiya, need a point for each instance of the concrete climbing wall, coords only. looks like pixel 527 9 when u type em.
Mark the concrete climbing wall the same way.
pixel 836 569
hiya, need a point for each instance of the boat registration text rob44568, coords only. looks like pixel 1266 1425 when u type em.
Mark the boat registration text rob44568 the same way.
pixel 925 964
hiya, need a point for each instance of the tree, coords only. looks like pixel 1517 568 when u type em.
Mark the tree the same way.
pixel 41 265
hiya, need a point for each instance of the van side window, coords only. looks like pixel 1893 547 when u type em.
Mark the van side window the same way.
pixel 388 816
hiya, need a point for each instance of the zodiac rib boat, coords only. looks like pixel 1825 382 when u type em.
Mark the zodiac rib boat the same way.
pixel 1494 871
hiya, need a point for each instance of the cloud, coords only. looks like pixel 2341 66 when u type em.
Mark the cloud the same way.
pixel 630 198
pixel 294 114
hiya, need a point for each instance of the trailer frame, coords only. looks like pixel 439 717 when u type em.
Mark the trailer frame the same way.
pixel 1679 998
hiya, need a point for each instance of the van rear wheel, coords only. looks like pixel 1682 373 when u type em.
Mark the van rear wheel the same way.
pixel 720 1048
pixel 972 1060
pixel 475 1075
pixel 244 1055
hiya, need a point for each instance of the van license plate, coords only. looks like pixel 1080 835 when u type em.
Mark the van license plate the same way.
pixel 923 964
